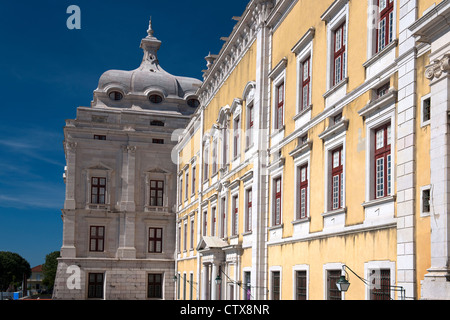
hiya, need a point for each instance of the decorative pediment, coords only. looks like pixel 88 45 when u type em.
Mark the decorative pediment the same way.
pixel 207 243
pixel 100 166
pixel 158 170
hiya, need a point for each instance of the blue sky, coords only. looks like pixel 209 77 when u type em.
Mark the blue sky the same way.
pixel 47 71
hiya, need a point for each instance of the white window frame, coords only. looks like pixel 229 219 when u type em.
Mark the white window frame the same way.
pixel 99 171
pixel 372 29
pixel 422 100
pixel 422 189
pixel 330 145
pixel 271 271
pixel 328 267
pixel 380 264
pixel 276 176
pixel 162 176
pixel 300 267
pixel 304 51
pixel 332 23
pixel 299 163
pixel 278 76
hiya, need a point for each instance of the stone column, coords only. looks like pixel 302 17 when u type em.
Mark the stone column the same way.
pixel 436 284
pixel 215 269
pixel 205 282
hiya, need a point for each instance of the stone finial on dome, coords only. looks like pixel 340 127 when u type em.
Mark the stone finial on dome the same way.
pixel 150 30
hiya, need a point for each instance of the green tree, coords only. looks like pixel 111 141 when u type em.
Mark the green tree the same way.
pixel 13 269
pixel 49 269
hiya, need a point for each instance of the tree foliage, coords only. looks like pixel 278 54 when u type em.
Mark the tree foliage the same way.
pixel 13 268
pixel 49 268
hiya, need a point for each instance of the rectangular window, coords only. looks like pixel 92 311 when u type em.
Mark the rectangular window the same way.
pixel 99 137
pixel 194 173
pixel 301 284
pixel 158 141
pixel 381 285
pixel 303 195
pixel 235 218
pixel 383 90
pixel 205 223
pixel 180 191
pixel 156 193
pixel 236 139
pixel 95 286
pixel 250 125
pixel 96 239
pixel 179 239
pixel 206 164
pixel 192 233
pixel 155 240
pixel 185 233
pixel 277 207
pixel 279 106
pixel 306 80
pixel 340 45
pixel 214 157
pixel 186 190
pixel 223 224
pixel 337 181
pixel 426 201
pixel 382 157
pixel 247 286
pixel 276 285
pixel 333 292
pixel 386 23
pixel 213 222
pixel 248 221
pixel 98 190
pixel 154 286
pixel 426 110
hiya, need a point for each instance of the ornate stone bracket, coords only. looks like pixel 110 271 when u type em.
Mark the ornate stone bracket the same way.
pixel 438 67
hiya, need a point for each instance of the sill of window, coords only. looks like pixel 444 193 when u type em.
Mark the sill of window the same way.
pixel 334 212
pixel 302 112
pixel 335 88
pixel 278 226
pixel 425 123
pixel 300 221
pixel 249 147
pixel 378 201
pixel 247 233
pixel 94 206
pixel 378 55
pixel 235 236
pixel 277 131
pixel 215 174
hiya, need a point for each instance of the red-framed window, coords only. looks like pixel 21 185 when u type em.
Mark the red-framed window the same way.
pixel 95 286
pixel 303 192
pixel 279 106
pixel 213 222
pixel 179 239
pixel 236 140
pixel 154 289
pixel 250 125
pixel 185 237
pixel 306 83
pixel 98 190
pixel 337 179
pixel 156 193
pixel 97 239
pixel 385 31
pixel 214 157
pixel 381 285
pixel 155 240
pixel 205 223
pixel 382 158
pixel 180 191
pixel 186 186
pixel 277 204
pixel 340 47
pixel 235 217
pixel 248 221
pixel 224 218
pixel 194 174
pixel 192 234
pixel 206 164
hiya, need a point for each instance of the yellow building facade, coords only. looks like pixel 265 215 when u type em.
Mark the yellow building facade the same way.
pixel 318 152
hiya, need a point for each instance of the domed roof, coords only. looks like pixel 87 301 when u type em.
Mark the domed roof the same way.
pixel 149 78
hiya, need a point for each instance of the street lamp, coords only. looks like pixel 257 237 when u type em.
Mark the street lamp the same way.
pixel 218 280
pixel 342 284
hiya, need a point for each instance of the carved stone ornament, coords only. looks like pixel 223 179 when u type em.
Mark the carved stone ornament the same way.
pixel 438 67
